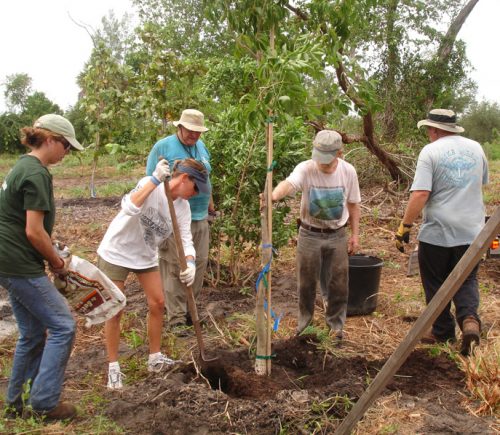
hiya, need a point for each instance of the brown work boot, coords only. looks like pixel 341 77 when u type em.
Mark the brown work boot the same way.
pixel 470 335
pixel 63 411
pixel 429 338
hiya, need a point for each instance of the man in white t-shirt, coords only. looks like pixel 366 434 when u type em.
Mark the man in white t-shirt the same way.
pixel 330 199
pixel 450 174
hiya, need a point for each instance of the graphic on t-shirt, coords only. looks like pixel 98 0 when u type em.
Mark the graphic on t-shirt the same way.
pixel 153 227
pixel 326 203
pixel 459 167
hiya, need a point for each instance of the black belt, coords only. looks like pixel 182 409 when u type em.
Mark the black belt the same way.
pixel 320 230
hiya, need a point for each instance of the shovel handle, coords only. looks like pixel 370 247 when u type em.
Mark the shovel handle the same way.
pixel 183 265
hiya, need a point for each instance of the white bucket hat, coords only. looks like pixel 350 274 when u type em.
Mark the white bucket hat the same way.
pixel 193 120
pixel 326 146
pixel 443 119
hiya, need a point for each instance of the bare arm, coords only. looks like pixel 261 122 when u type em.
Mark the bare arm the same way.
pixel 40 239
pixel 418 199
pixel 354 215
pixel 281 190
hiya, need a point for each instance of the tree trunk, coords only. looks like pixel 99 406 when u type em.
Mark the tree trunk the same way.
pixel 390 125
pixel 369 139
pixel 445 48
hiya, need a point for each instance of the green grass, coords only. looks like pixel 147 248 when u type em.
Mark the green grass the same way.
pixel 492 150
pixel 134 368
pixel 96 424
pixel 111 189
pixel 80 165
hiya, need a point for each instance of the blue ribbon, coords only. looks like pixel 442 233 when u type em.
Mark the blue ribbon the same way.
pixel 262 276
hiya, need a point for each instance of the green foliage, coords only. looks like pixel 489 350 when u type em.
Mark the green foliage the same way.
pixel 482 123
pixel 492 149
pixel 246 291
pixel 133 338
pixel 26 106
pixel 397 43
pixel 17 90
pixel 248 63
pixel 10 124
pixel 324 412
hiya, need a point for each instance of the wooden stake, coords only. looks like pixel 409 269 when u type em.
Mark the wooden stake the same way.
pixel 269 186
pixel 456 278
pixel 264 328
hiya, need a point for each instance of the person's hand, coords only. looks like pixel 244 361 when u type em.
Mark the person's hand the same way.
pixel 403 235
pixel 161 172
pixel 187 276
pixel 65 257
pixel 353 245
pixel 213 215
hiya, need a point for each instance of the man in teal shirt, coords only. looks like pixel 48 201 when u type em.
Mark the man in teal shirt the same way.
pixel 184 144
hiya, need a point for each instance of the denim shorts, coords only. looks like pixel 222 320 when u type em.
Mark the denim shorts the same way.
pixel 119 273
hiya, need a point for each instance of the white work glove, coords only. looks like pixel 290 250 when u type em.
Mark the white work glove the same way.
pixel 187 276
pixel 65 254
pixel 161 172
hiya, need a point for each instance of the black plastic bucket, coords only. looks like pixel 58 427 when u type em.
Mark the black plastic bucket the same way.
pixel 364 281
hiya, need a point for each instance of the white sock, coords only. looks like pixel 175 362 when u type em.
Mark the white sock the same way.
pixel 115 365
pixel 153 356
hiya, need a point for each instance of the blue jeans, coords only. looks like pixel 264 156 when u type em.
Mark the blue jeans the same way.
pixel 323 259
pixel 46 334
pixel 436 263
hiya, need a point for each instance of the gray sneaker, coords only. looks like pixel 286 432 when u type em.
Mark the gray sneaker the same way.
pixel 161 362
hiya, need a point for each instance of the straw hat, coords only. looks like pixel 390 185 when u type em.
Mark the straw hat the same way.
pixel 193 120
pixel 443 119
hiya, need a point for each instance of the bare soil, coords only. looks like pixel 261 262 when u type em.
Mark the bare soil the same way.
pixel 310 389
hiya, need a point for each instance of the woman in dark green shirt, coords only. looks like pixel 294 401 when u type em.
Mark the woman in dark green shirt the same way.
pixel 46 325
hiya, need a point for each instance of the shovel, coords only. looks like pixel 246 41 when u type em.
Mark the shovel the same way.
pixel 183 265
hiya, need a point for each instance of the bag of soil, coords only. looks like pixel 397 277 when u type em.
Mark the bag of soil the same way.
pixel 90 293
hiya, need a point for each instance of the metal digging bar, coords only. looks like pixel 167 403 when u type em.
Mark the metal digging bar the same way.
pixel 183 265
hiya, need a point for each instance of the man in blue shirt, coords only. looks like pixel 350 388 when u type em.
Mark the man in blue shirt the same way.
pixel 184 144
pixel 447 188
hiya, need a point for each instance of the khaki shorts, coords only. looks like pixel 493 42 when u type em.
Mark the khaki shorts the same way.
pixel 120 273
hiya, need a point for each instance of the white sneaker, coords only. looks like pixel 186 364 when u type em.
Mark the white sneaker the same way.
pixel 160 362
pixel 115 379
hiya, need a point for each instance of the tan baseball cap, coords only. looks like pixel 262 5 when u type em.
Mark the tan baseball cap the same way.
pixel 326 146
pixel 60 125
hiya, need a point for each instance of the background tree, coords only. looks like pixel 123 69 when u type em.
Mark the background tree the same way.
pixel 482 121
pixel 28 107
pixel 359 34
pixel 17 90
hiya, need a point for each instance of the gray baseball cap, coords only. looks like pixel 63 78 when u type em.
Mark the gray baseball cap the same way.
pixel 60 125
pixel 326 146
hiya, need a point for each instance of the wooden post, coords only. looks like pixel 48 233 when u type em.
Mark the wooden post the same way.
pixel 456 278
pixel 264 328
pixel 260 362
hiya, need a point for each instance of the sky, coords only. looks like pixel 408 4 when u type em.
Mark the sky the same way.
pixel 40 39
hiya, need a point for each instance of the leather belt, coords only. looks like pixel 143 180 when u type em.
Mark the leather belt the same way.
pixel 320 230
